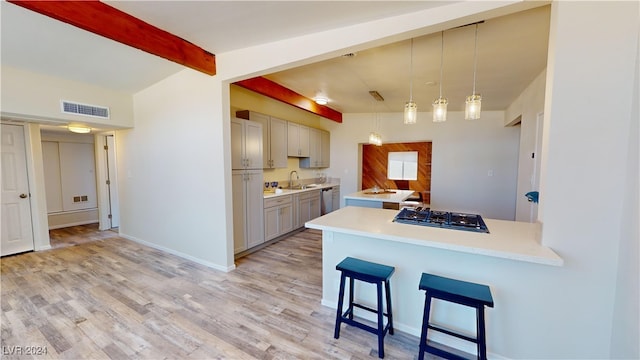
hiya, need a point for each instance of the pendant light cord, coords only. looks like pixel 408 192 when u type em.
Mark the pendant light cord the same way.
pixel 475 61
pixel 441 60
pixel 411 73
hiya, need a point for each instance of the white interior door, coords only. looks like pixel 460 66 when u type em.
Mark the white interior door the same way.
pixel 17 234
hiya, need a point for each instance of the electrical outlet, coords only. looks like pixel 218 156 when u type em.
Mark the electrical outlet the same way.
pixel 76 199
pixel 84 198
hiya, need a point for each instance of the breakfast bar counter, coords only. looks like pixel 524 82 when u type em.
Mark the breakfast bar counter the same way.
pixel 507 239
pixel 509 259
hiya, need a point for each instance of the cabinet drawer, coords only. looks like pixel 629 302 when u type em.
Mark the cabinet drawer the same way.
pixel 310 194
pixel 280 200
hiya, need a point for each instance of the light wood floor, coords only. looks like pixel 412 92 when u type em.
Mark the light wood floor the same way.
pixel 113 298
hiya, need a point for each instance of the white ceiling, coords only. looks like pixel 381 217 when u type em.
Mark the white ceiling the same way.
pixel 512 50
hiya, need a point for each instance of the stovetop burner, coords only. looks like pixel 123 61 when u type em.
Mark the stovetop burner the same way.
pixel 443 219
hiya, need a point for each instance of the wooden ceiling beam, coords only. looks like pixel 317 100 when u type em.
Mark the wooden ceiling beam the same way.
pixel 107 21
pixel 276 91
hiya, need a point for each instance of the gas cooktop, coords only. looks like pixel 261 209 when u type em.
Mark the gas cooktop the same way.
pixel 442 219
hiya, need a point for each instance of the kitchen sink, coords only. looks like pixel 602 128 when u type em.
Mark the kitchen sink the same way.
pixel 303 187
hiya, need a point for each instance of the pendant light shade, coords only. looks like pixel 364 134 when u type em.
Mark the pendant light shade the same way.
pixel 474 101
pixel 440 104
pixel 410 108
pixel 410 112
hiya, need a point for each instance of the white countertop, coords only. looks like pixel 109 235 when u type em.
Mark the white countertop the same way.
pixel 284 192
pixel 397 196
pixel 507 239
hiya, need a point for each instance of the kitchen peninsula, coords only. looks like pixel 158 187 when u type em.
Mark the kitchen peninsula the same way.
pixel 508 259
pixel 375 198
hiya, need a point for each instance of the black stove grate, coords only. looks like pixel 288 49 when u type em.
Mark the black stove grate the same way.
pixel 442 219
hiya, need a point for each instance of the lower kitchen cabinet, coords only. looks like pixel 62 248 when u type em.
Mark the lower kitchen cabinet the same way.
pixel 278 216
pixel 335 198
pixel 248 229
pixel 307 207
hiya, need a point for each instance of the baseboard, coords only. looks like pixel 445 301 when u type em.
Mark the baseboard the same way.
pixel 178 253
pixel 443 339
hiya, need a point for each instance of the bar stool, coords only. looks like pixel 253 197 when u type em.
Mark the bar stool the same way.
pixel 459 292
pixel 374 274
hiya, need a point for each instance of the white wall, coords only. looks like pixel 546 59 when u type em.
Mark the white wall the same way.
pixel 588 114
pixel 626 315
pixel 30 96
pixel 171 170
pixel 463 155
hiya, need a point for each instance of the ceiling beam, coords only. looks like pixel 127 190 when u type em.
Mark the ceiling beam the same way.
pixel 104 20
pixel 276 91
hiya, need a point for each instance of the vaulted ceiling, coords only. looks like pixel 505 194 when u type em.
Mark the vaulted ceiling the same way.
pixel 512 50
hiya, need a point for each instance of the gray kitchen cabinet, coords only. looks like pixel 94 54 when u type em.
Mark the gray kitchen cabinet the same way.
pixel 335 198
pixel 246 144
pixel 319 149
pixel 274 138
pixel 278 216
pixel 297 140
pixel 247 195
pixel 306 206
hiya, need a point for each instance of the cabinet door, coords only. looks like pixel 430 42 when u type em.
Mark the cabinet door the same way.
pixel 278 140
pixel 325 145
pixel 293 139
pixel 271 222
pixel 303 211
pixel 315 150
pixel 304 141
pixel 286 218
pixel 237 144
pixel 253 144
pixel 254 208
pixel 239 217
pixel 336 198
pixel 314 207
pixel 296 211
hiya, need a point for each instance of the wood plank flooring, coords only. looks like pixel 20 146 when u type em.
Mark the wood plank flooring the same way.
pixel 115 299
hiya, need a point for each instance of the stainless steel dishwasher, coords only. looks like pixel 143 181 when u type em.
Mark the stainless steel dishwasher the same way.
pixel 326 205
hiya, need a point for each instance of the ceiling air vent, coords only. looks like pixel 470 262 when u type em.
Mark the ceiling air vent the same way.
pixel 69 107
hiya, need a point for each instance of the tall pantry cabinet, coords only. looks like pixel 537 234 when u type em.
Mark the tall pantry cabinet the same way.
pixel 247 184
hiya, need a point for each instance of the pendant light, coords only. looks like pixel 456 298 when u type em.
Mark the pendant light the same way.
pixel 410 108
pixel 374 137
pixel 474 101
pixel 440 104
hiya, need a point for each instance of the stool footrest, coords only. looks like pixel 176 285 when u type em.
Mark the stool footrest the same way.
pixel 365 327
pixel 447 352
pixel 453 333
pixel 363 307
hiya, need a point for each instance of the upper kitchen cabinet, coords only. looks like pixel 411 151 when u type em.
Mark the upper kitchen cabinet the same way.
pixel 246 144
pixel 319 146
pixel 274 138
pixel 298 140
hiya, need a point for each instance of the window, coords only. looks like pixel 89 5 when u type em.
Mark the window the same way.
pixel 402 165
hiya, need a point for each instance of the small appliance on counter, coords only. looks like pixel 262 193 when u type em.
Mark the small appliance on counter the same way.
pixel 442 219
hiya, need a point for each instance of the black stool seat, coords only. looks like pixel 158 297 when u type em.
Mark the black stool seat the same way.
pixel 374 274
pixel 460 292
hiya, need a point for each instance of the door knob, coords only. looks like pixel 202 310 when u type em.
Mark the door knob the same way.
pixel 23 196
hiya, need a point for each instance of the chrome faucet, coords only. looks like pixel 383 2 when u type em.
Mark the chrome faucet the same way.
pixel 291 178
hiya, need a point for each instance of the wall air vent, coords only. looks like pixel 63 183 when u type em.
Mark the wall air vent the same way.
pixel 75 108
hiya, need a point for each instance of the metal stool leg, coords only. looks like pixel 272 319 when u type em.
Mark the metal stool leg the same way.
pixel 387 286
pixel 425 326
pixel 350 298
pixel 482 341
pixel 380 322
pixel 336 333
